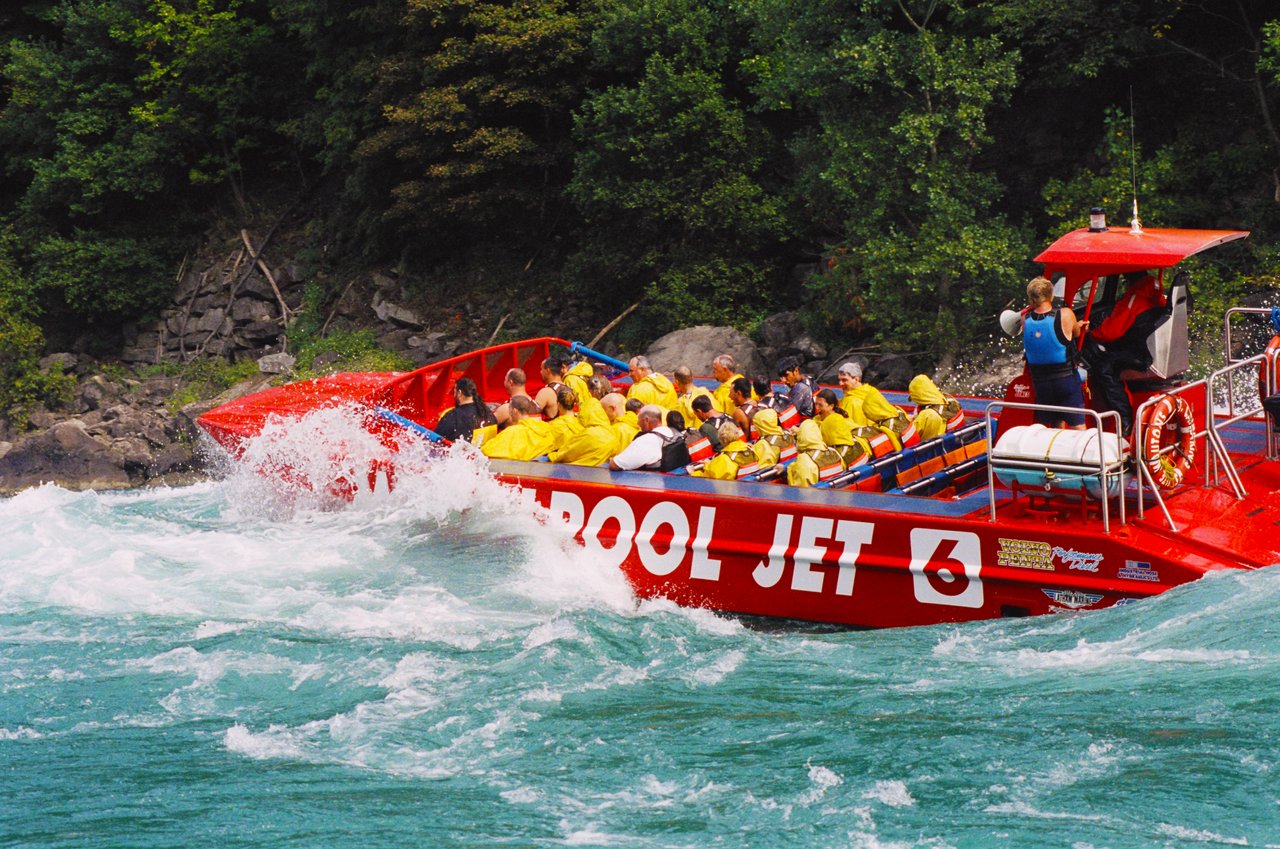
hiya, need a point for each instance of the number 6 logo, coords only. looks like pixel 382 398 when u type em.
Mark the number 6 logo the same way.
pixel 945 567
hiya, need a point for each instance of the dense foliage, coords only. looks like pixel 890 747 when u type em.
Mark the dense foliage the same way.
pixel 889 167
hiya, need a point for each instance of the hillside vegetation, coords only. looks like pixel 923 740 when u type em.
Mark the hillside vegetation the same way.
pixel 889 168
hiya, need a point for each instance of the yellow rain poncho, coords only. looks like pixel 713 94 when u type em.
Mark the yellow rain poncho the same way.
pixel 564 427
pixel 684 403
pixel 654 388
pixel 591 412
pixel 812 456
pixel 625 429
pixel 526 439
pixel 933 408
pixel 720 398
pixel 772 438
pixel 576 379
pixel 724 466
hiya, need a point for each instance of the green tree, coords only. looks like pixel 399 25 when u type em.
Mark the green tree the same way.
pixel 121 132
pixel 668 176
pixel 474 136
pixel 893 104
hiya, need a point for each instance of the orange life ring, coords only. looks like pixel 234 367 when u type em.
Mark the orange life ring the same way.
pixel 1272 347
pixel 1169 423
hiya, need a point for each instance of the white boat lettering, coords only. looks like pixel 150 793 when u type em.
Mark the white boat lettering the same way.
pixel 769 571
pixel 703 566
pixel 946 567
pixel 658 559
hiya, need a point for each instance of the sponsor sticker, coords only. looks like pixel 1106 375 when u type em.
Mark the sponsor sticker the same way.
pixel 1072 599
pixel 1083 561
pixel 1138 570
pixel 1025 554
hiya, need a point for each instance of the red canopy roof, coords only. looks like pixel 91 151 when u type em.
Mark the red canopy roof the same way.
pixel 1119 250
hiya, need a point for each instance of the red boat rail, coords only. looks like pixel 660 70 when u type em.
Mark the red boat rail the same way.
pixel 422 394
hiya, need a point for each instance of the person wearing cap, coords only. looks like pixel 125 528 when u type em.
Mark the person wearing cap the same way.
pixel 1049 337
pixel 800 386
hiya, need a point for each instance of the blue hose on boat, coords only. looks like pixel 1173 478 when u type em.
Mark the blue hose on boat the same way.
pixel 410 425
pixel 1275 319
pixel 579 348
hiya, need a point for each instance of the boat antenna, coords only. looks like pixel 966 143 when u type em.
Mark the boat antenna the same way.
pixel 1135 225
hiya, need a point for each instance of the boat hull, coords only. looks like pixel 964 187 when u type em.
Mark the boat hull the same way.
pixel 854 559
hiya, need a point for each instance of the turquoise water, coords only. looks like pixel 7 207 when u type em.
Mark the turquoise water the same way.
pixel 220 665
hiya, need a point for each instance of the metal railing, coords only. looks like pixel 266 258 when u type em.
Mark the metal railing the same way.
pixel 1105 471
pixel 1217 461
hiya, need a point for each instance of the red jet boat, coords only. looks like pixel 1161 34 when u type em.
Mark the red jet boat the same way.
pixel 996 518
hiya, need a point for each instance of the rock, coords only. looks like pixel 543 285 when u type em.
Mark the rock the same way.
pixel 5 448
pixel 210 321
pixel 389 312
pixel 41 419
pixel 395 340
pixel 121 421
pixel 96 393
pixel 156 391
pixel 256 286
pixel 176 458
pixel 695 347
pixel 276 363
pixel 64 362
pixel 250 309
pixel 779 329
pixel 430 343
pixel 323 359
pixel 65 454
pixel 892 371
pixel 808 348
pixel 258 333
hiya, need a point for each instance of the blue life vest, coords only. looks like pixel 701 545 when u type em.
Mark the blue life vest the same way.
pixel 1040 338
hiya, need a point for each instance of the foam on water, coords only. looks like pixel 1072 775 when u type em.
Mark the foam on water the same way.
pixel 437 665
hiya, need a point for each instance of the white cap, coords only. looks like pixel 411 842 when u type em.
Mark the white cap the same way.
pixel 851 368
pixel 1011 322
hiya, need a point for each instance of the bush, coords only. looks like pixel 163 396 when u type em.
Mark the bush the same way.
pixel 23 385
pixel 355 350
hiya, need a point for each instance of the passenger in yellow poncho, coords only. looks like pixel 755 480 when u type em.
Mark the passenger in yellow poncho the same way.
pixel 735 454
pixel 650 387
pixel 594 445
pixel 933 408
pixel 566 425
pixel 724 369
pixel 873 407
pixel 837 432
pixel 526 436
pixel 772 439
pixel 576 379
pixel 686 391
pixel 814 460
